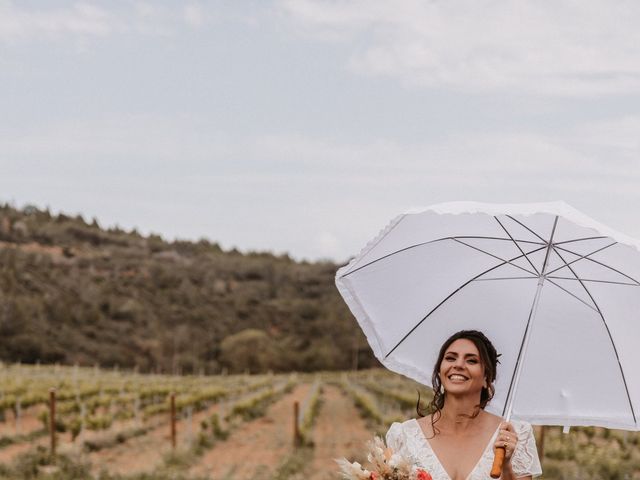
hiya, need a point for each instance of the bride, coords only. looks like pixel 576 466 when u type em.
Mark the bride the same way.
pixel 458 439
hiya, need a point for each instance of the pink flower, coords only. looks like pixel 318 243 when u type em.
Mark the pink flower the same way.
pixel 422 475
pixel 373 476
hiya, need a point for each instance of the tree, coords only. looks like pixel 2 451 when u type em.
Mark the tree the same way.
pixel 249 349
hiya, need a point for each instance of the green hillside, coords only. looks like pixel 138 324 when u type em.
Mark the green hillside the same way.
pixel 72 292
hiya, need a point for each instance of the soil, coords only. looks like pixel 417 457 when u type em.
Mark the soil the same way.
pixel 29 422
pixel 339 432
pixel 256 448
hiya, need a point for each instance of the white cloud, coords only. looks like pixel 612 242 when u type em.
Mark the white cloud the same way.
pixel 131 140
pixel 194 15
pixel 589 151
pixel 559 48
pixel 314 197
pixel 97 19
pixel 81 19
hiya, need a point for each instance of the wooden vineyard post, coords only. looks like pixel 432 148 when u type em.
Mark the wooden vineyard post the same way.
pixel 18 416
pixel 173 420
pixel 297 439
pixel 52 420
pixel 189 425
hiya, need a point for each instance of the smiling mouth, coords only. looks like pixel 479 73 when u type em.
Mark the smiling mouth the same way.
pixel 455 377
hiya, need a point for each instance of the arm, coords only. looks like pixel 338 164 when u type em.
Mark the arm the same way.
pixel 507 473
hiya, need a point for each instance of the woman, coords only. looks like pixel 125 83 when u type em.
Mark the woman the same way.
pixel 457 441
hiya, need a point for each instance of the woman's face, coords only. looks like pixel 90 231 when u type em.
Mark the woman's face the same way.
pixel 461 370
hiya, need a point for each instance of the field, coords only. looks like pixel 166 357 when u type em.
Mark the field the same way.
pixel 116 425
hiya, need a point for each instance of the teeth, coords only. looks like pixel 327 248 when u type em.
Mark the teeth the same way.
pixel 457 377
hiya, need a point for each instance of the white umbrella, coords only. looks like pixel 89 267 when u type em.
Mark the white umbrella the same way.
pixel 556 292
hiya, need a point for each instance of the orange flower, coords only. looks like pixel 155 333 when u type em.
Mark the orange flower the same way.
pixel 422 475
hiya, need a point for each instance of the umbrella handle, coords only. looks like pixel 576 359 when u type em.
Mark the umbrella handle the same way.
pixel 496 469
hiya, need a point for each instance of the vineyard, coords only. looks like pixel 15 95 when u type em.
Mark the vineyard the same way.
pixel 116 425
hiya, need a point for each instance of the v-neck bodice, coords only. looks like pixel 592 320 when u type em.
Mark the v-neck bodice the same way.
pixel 488 447
pixel 409 440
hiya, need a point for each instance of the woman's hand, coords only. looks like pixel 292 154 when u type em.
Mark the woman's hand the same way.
pixel 507 439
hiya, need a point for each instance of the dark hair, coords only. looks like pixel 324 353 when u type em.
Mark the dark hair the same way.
pixel 488 359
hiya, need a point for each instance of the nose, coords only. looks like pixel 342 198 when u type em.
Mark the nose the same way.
pixel 459 363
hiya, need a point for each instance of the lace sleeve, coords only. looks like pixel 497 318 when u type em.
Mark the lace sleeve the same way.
pixel 525 459
pixel 395 439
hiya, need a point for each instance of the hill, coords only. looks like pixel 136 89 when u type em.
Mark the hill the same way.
pixel 73 292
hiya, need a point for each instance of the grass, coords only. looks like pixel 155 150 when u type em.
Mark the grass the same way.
pixel 39 464
pixel 294 466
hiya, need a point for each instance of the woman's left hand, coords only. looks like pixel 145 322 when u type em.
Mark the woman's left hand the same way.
pixel 507 439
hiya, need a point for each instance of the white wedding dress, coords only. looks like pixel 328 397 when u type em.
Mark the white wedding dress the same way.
pixel 408 440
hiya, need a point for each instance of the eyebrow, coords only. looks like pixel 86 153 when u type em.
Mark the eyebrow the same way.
pixel 466 354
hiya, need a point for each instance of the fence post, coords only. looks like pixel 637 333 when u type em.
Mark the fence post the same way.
pixel 541 442
pixel 189 425
pixel 52 419
pixel 173 420
pixel 18 415
pixel 297 439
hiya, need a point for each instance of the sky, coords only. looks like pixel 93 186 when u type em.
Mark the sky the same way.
pixel 305 126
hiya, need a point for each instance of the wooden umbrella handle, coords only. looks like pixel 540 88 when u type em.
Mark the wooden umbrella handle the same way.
pixel 496 469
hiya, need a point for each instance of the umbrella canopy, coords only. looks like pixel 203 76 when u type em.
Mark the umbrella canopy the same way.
pixel 556 292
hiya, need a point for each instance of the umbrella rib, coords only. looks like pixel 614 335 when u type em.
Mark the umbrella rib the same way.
pixel 579 240
pixel 522 224
pixel 384 236
pixel 497 257
pixel 502 278
pixel 517 245
pixel 451 295
pixel 602 264
pixel 596 281
pixel 604 321
pixel 581 256
pixel 573 295
pixel 432 241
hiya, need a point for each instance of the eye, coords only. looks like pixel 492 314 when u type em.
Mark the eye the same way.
pixel 450 358
pixel 473 360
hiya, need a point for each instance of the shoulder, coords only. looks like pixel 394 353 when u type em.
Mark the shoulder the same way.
pixel 496 419
pixel 407 439
pixel 398 431
pixel 492 422
pixel 397 427
pixel 522 427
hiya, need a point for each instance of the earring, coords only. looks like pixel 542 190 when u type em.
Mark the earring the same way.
pixel 442 389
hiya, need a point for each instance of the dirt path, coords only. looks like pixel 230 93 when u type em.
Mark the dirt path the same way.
pixel 28 424
pixel 256 448
pixel 10 452
pixel 339 432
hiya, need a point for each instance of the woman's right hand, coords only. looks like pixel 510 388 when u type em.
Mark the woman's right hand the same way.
pixel 507 439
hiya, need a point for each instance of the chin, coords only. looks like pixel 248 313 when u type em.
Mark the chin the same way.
pixel 461 389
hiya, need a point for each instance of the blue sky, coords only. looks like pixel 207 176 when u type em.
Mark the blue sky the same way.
pixel 305 126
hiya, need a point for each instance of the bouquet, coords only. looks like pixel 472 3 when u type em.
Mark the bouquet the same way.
pixel 384 465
